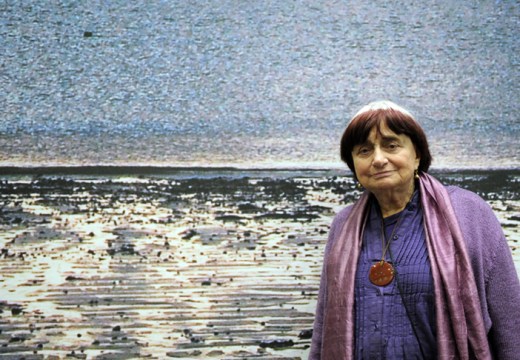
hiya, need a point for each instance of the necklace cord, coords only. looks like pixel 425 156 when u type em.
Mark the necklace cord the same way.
pixel 383 237
pixel 386 246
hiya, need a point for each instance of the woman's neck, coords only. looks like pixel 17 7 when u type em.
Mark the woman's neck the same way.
pixel 391 203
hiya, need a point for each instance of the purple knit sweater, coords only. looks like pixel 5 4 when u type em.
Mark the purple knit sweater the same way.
pixel 493 267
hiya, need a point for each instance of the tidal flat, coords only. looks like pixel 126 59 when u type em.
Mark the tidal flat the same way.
pixel 198 266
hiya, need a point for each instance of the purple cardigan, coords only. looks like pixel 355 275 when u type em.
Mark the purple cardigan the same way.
pixel 495 274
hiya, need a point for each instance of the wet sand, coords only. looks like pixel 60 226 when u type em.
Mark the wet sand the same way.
pixel 195 267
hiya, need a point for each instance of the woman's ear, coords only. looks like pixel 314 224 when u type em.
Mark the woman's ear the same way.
pixel 417 158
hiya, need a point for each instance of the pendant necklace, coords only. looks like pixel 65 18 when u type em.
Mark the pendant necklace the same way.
pixel 382 272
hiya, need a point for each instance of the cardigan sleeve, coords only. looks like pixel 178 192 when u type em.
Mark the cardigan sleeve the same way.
pixel 503 298
pixel 317 333
pixel 495 273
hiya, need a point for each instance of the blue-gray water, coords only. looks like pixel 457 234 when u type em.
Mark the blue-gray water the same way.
pixel 252 83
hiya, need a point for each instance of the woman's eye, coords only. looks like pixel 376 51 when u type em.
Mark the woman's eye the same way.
pixel 363 151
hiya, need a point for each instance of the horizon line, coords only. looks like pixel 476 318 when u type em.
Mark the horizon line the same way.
pixel 150 169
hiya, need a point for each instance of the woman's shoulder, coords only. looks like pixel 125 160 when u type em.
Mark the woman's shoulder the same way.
pixel 464 200
pixel 458 192
pixel 474 214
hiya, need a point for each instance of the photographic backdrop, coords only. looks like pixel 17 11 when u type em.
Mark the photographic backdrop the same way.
pixel 169 169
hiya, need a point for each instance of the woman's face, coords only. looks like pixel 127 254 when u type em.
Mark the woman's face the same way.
pixel 386 162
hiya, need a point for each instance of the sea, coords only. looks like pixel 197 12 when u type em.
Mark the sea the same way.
pixel 252 84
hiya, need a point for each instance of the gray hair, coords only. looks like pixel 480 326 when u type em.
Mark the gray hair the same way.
pixel 383 105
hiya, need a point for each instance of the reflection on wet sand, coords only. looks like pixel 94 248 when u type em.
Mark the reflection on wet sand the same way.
pixel 157 267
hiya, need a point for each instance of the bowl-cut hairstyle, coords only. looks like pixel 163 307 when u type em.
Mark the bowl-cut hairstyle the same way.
pixel 396 118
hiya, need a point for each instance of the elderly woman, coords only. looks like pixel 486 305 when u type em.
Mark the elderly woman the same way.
pixel 413 269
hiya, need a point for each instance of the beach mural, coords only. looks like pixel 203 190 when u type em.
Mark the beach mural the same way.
pixel 169 170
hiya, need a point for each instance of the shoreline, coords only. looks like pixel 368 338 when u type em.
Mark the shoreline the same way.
pixel 141 170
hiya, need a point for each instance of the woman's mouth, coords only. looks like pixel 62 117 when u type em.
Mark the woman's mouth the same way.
pixel 382 174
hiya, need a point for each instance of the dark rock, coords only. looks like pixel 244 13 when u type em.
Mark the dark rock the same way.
pixel 125 249
pixel 187 235
pixel 16 310
pixel 305 334
pixel 228 218
pixel 73 278
pixel 76 356
pixel 128 249
pixel 248 208
pixel 196 340
pixel 276 344
pixel 18 338
pixel 183 354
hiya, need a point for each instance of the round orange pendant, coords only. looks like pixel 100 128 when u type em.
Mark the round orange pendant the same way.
pixel 381 273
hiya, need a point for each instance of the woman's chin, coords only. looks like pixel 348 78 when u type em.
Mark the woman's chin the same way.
pixel 386 184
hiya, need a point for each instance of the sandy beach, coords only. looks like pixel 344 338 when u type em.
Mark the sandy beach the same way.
pixel 192 266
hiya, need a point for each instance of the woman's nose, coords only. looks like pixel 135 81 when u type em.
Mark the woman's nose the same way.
pixel 379 157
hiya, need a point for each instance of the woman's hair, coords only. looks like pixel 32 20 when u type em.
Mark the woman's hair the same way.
pixel 399 120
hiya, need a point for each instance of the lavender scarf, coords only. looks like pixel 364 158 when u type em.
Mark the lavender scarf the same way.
pixel 460 327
